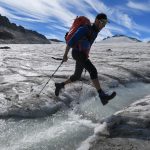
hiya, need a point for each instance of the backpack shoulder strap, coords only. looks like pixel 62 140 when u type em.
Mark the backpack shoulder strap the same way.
pixel 90 31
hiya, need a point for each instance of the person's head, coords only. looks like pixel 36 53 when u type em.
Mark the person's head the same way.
pixel 101 20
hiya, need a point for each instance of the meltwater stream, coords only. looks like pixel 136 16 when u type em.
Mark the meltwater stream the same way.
pixel 66 129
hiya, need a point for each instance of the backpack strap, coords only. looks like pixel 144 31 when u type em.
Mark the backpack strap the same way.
pixel 92 28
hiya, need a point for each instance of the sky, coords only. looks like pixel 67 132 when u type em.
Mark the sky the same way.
pixel 53 18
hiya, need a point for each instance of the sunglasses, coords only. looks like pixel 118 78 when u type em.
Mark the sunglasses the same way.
pixel 103 21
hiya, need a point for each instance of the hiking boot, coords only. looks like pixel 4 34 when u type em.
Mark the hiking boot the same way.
pixel 58 86
pixel 105 98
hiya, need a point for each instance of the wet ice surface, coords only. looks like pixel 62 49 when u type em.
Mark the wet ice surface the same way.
pixel 126 129
pixel 26 68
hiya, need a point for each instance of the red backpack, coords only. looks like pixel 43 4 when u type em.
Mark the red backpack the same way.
pixel 78 22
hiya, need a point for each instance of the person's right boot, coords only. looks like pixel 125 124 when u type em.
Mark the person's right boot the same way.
pixel 58 86
pixel 105 98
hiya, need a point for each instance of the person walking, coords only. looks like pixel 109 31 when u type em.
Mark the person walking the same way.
pixel 81 43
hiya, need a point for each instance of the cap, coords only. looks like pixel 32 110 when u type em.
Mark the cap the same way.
pixel 102 16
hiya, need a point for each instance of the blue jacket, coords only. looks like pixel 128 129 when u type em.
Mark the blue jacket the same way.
pixel 83 39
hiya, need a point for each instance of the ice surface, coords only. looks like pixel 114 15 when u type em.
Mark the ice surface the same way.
pixel 126 129
pixel 26 68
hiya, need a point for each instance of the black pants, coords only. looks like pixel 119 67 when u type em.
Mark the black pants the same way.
pixel 81 63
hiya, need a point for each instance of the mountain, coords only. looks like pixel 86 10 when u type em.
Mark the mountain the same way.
pixel 55 41
pixel 10 33
pixel 120 38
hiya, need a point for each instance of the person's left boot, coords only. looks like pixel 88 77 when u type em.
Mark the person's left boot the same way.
pixel 105 98
pixel 58 86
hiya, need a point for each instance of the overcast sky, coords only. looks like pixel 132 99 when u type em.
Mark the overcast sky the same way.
pixel 53 18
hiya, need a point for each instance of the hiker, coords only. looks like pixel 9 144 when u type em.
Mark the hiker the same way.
pixel 81 42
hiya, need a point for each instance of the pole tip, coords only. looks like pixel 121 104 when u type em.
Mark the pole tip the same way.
pixel 37 95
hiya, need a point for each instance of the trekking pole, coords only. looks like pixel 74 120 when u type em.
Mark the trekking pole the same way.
pixel 56 58
pixel 49 79
pixel 81 89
